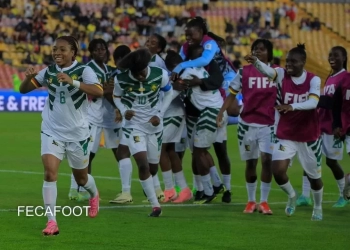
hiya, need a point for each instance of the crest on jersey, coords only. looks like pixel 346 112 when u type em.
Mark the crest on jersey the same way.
pixel 74 77
pixel 129 89
pixel 136 139
pixel 154 87
pixel 282 148
pixel 49 81
pixel 142 89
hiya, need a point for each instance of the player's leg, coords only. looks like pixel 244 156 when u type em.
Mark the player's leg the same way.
pixel 138 145
pixel 266 140
pixel 204 137
pixel 304 199
pixel 125 168
pixel 165 166
pixel 332 148
pixel 52 152
pixel 76 192
pixel 249 152
pixel 346 192
pixel 310 157
pixel 153 164
pixel 225 168
pixel 180 147
pixel 78 159
pixel 283 151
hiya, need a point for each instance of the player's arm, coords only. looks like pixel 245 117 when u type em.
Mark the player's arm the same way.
pixel 108 91
pixel 117 95
pixel 215 79
pixel 33 80
pixel 271 73
pixel 337 107
pixel 314 96
pixel 167 89
pixel 90 84
pixel 210 48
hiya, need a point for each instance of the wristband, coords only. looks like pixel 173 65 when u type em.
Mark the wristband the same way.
pixel 76 84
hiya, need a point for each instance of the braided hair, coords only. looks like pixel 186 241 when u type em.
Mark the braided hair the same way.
pixel 73 42
pixel 299 49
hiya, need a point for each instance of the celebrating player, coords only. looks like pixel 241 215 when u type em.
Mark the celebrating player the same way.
pixel 136 95
pixel 65 129
pixel 332 147
pixel 101 112
pixel 256 123
pixel 298 129
pixel 196 32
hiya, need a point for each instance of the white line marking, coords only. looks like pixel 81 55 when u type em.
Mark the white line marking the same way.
pixel 173 205
pixel 117 178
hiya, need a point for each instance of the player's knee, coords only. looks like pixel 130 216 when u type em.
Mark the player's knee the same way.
pixel 50 175
pixel 316 184
pixel 251 165
pixel 266 161
pixel 123 152
pixel 331 163
pixel 81 179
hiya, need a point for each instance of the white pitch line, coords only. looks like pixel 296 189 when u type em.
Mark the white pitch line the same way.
pixel 117 178
pixel 173 205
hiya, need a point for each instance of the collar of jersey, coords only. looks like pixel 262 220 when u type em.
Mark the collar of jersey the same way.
pixel 68 68
pixel 148 73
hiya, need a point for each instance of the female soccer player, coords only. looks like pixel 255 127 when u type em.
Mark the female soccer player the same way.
pixel 156 44
pixel 136 95
pixel 341 122
pixel 170 163
pixel 101 112
pixel 332 147
pixel 298 129
pixel 256 124
pixel 197 34
pixel 65 128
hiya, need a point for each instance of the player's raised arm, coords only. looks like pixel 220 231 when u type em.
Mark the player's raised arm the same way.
pixel 262 67
pixel 167 88
pixel 32 81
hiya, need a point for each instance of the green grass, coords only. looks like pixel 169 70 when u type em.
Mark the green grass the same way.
pixel 218 226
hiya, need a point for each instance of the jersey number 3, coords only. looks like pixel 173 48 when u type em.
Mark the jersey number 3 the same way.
pixel 62 97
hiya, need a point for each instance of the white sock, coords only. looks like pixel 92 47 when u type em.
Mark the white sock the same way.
pixel 125 170
pixel 341 186
pixel 180 180
pixel 90 186
pixel 168 179
pixel 194 182
pixel 227 181
pixel 156 183
pixel 215 177
pixel 50 196
pixel 288 189
pixel 199 183
pixel 264 191
pixel 208 187
pixel 148 187
pixel 318 194
pixel 251 189
pixel 306 187
pixel 73 183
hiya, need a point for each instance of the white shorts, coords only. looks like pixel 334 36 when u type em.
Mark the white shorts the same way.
pixel 253 140
pixel 77 152
pixel 347 143
pixel 309 155
pixel 205 130
pixel 138 141
pixel 183 144
pixel 173 129
pixel 332 148
pixel 111 137
pixel 221 135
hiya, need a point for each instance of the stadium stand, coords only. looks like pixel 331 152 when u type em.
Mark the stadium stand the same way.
pixel 52 18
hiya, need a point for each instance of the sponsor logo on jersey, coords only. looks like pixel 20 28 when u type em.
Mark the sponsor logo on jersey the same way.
pixel 136 139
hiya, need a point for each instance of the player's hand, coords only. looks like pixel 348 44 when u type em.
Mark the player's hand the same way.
pixel 129 114
pixel 118 116
pixel 108 88
pixel 284 108
pixel 179 85
pixel 195 81
pixel 250 59
pixel 62 77
pixel 30 73
pixel 337 133
pixel 155 121
pixel 219 119
pixel 174 76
